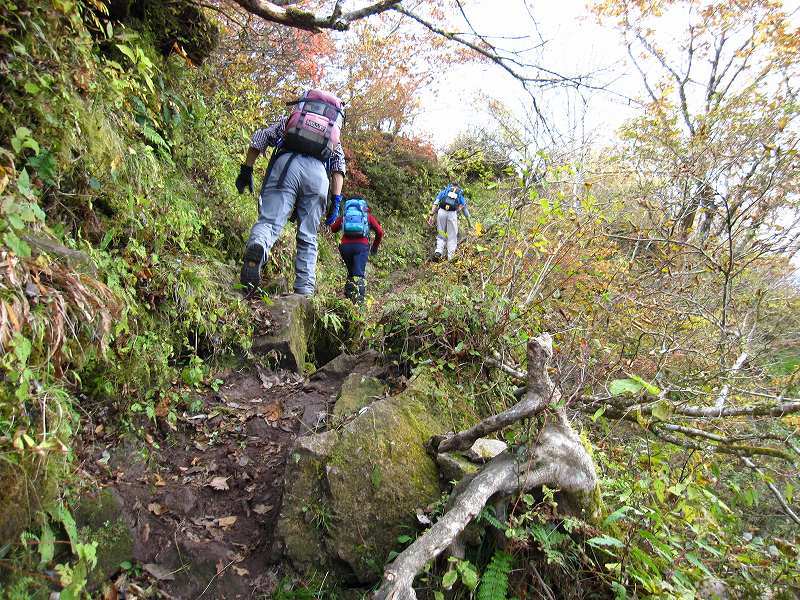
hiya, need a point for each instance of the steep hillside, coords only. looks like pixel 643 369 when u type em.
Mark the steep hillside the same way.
pixel 163 436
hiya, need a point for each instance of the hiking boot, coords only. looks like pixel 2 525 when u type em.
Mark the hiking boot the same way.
pixel 250 277
pixel 437 256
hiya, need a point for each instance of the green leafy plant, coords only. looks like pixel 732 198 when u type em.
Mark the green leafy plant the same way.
pixel 462 570
pixel 494 581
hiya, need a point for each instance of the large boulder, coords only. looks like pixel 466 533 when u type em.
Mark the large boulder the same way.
pixel 357 392
pixel 288 339
pixel 350 493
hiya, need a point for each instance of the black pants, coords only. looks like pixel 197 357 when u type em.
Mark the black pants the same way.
pixel 355 258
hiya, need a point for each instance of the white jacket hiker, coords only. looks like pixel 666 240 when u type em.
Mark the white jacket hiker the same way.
pixel 446 208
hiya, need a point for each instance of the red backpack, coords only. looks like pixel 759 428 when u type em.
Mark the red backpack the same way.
pixel 315 125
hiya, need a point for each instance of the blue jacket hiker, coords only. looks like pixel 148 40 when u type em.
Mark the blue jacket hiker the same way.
pixel 307 155
pixel 355 223
pixel 445 209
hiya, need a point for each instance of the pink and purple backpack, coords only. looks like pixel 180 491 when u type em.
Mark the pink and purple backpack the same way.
pixel 315 125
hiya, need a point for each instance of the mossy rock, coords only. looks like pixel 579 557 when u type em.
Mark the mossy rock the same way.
pixel 378 476
pixel 99 519
pixel 289 339
pixel 350 493
pixel 357 392
pixel 24 489
pixel 301 524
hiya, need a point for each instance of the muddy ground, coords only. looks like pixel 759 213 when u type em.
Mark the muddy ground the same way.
pixel 201 496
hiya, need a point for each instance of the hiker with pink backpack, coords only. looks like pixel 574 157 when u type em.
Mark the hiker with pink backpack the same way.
pixel 307 158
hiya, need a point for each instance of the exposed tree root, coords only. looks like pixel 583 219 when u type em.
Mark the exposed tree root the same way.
pixel 539 395
pixel 557 459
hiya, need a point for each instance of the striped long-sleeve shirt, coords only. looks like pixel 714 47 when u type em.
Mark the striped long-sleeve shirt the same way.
pixel 273 136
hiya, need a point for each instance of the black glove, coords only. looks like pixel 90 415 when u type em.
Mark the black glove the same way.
pixel 245 179
pixel 373 250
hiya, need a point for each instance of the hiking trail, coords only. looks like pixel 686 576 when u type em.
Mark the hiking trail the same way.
pixel 199 499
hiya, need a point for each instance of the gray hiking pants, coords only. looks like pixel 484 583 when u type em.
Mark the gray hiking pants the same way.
pixel 304 187
pixel 446 232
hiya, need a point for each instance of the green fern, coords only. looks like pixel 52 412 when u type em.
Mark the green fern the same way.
pixel 494 583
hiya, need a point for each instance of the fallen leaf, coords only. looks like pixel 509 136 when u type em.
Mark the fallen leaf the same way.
pixel 110 592
pixel 262 509
pixel 219 483
pixel 241 572
pixel 159 572
pixel 272 411
pixel 227 521
pixel 159 481
pixel 156 508
pixel 145 533
pixel 162 408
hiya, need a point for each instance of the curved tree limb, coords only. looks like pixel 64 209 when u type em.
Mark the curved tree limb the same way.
pixel 284 14
pixel 556 459
pixel 540 394
pixel 559 460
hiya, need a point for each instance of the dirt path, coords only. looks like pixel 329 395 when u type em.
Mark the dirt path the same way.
pixel 202 498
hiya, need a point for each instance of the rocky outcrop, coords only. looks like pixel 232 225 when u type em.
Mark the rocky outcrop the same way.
pixel 350 493
pixel 288 339
pixel 357 392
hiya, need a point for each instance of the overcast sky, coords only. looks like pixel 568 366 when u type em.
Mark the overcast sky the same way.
pixel 575 44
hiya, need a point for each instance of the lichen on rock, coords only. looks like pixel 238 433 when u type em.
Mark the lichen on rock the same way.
pixel 357 392
pixel 350 493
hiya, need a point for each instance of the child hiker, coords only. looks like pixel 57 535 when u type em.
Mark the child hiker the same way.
pixel 355 223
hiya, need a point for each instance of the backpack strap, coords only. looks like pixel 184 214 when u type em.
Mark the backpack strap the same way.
pixel 282 176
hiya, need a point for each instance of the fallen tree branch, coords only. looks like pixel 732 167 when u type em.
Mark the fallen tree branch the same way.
pixel 776 409
pixel 775 491
pixel 559 461
pixel 722 445
pixel 540 394
pixel 756 410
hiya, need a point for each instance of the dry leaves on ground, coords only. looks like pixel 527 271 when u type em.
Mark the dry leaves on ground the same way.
pixel 219 483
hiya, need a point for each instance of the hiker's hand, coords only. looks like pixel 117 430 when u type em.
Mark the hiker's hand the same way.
pixel 245 179
pixel 373 251
pixel 430 221
pixel 337 200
